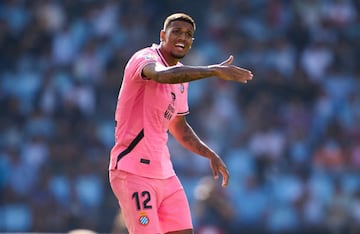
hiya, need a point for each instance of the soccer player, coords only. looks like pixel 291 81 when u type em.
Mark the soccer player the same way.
pixel 152 102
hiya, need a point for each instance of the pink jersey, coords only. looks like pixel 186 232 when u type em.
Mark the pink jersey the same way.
pixel 143 113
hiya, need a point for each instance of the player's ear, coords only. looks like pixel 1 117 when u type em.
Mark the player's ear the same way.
pixel 162 35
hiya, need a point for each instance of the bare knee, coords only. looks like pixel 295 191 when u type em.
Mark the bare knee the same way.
pixel 187 231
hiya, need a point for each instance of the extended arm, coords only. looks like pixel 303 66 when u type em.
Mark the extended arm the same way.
pixel 181 74
pixel 186 136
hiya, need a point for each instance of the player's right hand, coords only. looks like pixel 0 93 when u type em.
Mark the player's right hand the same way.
pixel 226 71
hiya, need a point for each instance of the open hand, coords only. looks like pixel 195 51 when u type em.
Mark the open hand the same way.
pixel 227 71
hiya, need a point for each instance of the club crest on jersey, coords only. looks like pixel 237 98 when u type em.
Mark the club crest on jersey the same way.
pixel 182 88
pixel 150 57
pixel 144 219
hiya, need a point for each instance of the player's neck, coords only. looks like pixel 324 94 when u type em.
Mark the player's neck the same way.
pixel 170 60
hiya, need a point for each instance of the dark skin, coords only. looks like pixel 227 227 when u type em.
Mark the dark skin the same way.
pixel 176 41
pixel 175 44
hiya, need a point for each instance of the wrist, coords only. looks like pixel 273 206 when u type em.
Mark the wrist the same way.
pixel 212 155
pixel 213 70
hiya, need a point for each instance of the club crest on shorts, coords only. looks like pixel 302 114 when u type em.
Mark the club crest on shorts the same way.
pixel 144 219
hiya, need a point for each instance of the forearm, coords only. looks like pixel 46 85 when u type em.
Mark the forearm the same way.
pixel 193 143
pixel 186 136
pixel 180 74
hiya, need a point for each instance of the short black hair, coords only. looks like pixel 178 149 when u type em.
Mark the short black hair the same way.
pixel 179 16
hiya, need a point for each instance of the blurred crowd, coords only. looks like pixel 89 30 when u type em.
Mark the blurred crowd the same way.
pixel 290 137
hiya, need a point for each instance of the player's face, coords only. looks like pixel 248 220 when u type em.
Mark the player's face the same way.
pixel 177 39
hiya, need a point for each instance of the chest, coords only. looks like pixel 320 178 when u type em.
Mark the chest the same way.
pixel 166 99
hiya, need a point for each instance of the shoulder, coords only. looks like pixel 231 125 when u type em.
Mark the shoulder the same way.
pixel 147 53
pixel 140 59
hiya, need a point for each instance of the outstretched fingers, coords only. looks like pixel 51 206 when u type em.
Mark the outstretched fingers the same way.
pixel 246 75
pixel 227 71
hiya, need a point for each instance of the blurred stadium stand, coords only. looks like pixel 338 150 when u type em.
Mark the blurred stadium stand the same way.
pixel 291 137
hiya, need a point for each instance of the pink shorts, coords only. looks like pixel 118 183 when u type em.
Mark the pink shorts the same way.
pixel 151 206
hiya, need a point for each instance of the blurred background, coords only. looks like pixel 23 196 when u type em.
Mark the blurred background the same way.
pixel 290 137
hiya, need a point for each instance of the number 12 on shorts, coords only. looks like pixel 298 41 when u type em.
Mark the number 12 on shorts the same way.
pixel 142 202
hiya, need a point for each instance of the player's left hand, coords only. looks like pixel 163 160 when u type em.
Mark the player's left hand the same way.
pixel 218 167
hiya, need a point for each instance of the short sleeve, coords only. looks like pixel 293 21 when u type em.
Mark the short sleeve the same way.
pixel 140 60
pixel 183 107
